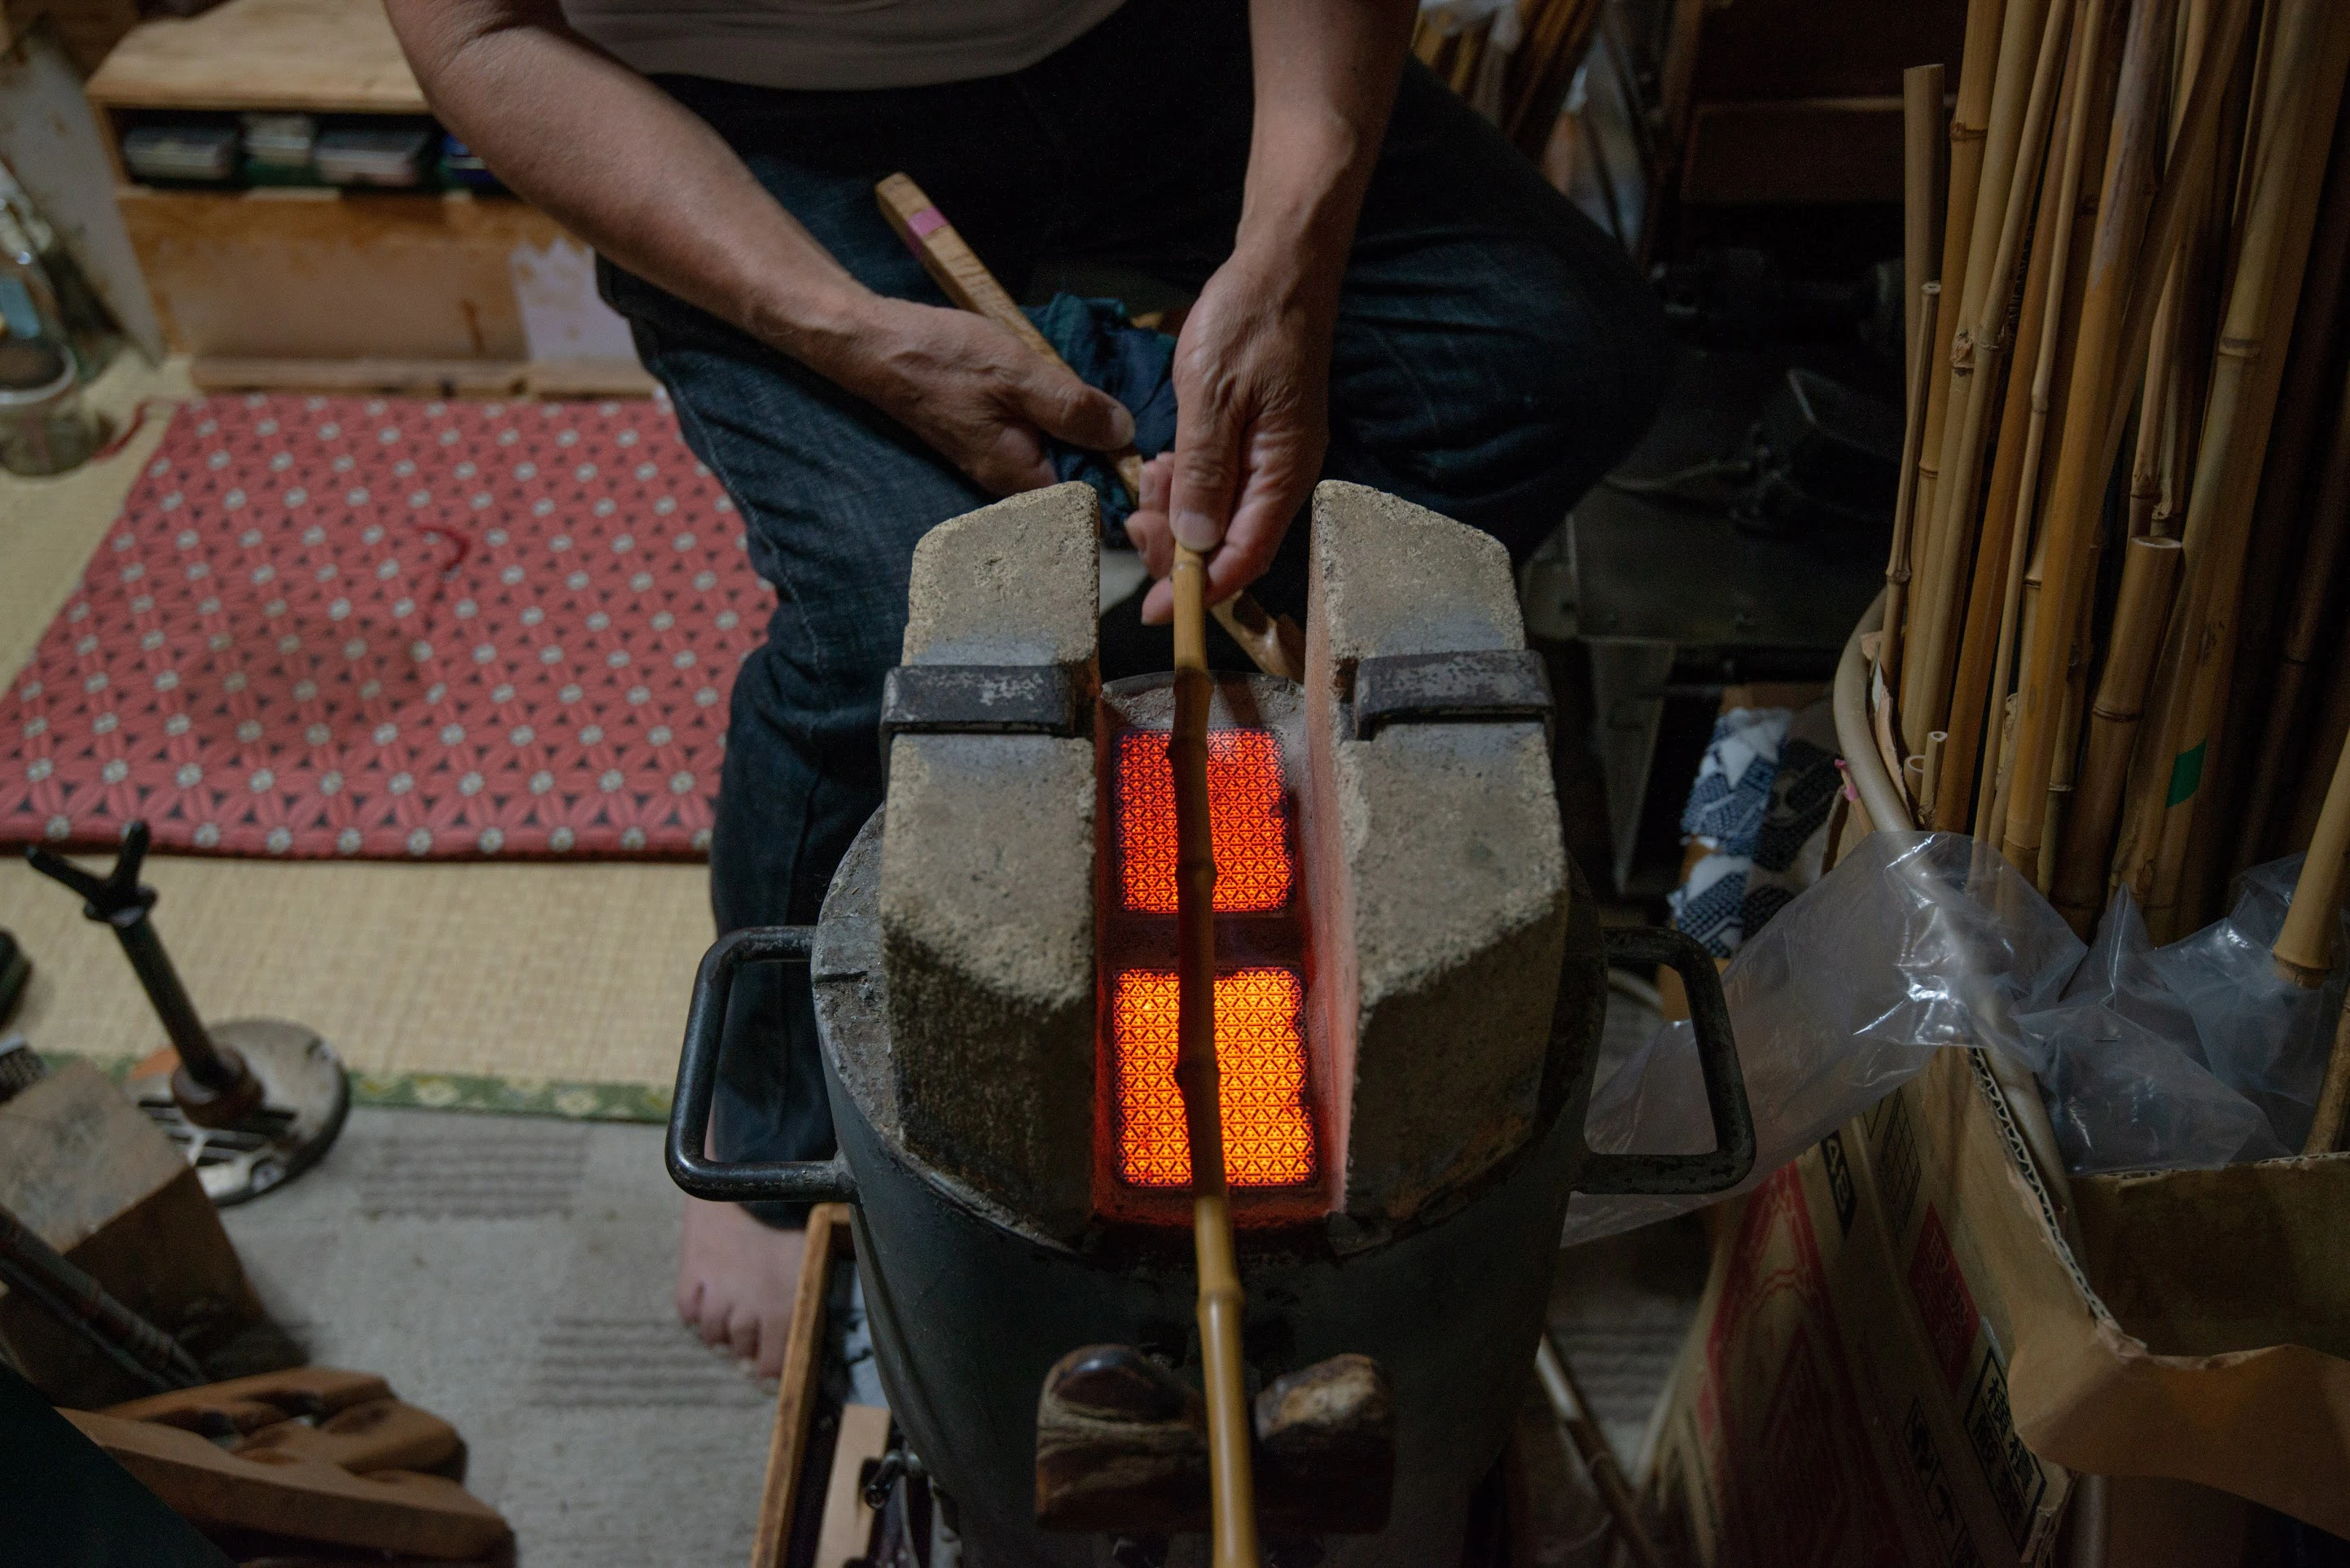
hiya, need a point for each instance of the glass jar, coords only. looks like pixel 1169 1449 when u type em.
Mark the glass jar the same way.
pixel 43 428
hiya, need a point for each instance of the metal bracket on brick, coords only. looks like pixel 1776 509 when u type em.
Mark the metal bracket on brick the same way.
pixel 978 700
pixel 1489 687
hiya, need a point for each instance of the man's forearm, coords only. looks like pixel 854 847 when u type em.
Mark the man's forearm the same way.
pixel 1326 79
pixel 628 168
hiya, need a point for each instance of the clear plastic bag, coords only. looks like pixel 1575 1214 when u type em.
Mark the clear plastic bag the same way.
pixel 2147 1058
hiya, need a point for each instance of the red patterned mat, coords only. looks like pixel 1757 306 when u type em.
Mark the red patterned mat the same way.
pixel 391 627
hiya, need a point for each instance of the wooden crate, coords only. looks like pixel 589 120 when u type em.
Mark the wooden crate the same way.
pixel 318 287
pixel 292 273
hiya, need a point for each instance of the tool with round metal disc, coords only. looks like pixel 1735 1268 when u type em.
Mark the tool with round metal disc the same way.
pixel 253 1102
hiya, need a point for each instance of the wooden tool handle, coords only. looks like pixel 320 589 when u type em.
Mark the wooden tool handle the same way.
pixel 1276 643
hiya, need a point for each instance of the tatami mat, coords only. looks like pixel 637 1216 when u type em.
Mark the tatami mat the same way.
pixel 577 973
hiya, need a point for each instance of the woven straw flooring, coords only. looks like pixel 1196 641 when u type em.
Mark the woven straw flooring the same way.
pixel 577 973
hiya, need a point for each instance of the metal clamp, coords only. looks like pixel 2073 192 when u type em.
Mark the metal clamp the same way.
pixel 979 698
pixel 1733 1156
pixel 745 1181
pixel 1493 686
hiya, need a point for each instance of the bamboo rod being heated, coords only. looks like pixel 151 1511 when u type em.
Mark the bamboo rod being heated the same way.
pixel 1233 1489
pixel 1274 642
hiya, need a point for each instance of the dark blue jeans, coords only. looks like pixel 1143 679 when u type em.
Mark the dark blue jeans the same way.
pixel 1495 354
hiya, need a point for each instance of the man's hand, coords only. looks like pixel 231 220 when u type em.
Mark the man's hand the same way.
pixel 1252 392
pixel 975 393
pixel 1253 365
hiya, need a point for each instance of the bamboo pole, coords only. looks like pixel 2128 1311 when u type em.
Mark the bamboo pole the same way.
pixel 2200 189
pixel 1232 1483
pixel 2071 532
pixel 2085 148
pixel 2327 736
pixel 1923 143
pixel 2284 535
pixel 2061 776
pixel 2155 400
pixel 2326 1129
pixel 2016 151
pixel 2304 948
pixel 1995 796
pixel 2150 584
pixel 2156 470
pixel 2296 120
pixel 1897 566
pixel 2007 513
pixel 2209 132
pixel 2312 587
pixel 1968 119
pixel 1556 1375
pixel 2298 530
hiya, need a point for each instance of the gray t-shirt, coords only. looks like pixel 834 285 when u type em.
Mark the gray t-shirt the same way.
pixel 834 44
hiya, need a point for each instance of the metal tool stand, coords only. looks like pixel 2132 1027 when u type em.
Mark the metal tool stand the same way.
pixel 253 1102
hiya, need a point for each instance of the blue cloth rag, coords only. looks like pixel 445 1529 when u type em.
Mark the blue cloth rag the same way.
pixel 1133 364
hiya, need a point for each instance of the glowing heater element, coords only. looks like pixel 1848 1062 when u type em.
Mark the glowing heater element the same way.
pixel 1261 1055
pixel 1246 790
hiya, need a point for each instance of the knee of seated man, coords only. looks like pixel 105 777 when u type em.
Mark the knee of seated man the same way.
pixel 1553 400
pixel 1590 364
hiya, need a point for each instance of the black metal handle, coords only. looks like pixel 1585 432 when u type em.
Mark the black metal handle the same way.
pixel 1725 1085
pixel 118 901
pixel 738 1181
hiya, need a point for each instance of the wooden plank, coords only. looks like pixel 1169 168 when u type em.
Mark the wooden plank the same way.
pixel 325 57
pixel 309 274
pixel 1797 152
pixel 392 1511
pixel 404 378
pixel 589 379
pixel 847 1522
pixel 827 1237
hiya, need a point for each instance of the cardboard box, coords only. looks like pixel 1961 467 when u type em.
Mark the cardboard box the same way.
pixel 1844 1396
pixel 1900 1355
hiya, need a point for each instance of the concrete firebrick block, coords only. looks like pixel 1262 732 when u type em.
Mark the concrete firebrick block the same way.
pixel 987 872
pixel 1438 868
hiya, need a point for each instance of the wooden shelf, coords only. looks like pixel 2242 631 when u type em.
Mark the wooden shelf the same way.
pixel 319 56
pixel 323 287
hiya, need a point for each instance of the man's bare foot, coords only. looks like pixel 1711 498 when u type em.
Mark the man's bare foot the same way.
pixel 735 1281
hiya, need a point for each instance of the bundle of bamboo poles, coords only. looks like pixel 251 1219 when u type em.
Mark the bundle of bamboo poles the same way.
pixel 1521 89
pixel 2116 642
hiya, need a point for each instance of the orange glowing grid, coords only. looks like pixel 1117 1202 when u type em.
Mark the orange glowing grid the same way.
pixel 1245 791
pixel 1261 1062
